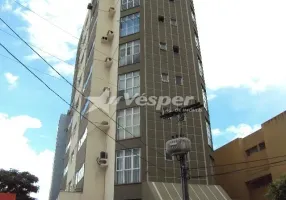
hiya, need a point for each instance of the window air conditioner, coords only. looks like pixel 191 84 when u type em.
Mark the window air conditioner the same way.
pixel 110 35
pixel 89 6
pixel 102 160
pixel 108 62
pixel 111 11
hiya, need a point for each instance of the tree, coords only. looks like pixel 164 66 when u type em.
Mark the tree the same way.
pixel 19 183
pixel 277 189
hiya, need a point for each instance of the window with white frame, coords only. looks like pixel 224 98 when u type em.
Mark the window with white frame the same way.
pixel 209 134
pixel 85 108
pixel 79 175
pixel 128 123
pixel 128 166
pixel 68 146
pixel 82 139
pixel 200 67
pixel 127 4
pixel 130 24
pixel 165 77
pixel 130 83
pixel 129 53
pixel 66 170
pixel 205 99
pixel 87 79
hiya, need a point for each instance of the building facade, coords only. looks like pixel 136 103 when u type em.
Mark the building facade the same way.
pixel 260 158
pixel 128 48
pixel 58 167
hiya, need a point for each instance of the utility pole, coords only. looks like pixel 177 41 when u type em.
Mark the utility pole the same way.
pixel 179 146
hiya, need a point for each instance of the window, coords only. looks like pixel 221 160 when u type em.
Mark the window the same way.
pixel 130 83
pixel 129 24
pixel 128 123
pixel 168 157
pixel 163 46
pixel 251 150
pixel 72 156
pixel 128 166
pixel 129 53
pixel 173 21
pixel 262 146
pixel 209 134
pixel 179 80
pixel 68 146
pixel 83 112
pixel 88 78
pixel 79 175
pixel 200 67
pixel 66 170
pixel 127 4
pixel 176 49
pixel 205 99
pixel 197 41
pixel 193 16
pixel 82 139
pixel 165 77
pixel 74 129
pixel 161 18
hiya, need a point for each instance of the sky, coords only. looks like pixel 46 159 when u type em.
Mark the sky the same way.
pixel 242 44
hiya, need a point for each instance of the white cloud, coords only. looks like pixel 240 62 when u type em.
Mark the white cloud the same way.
pixel 239 131
pixel 243 43
pixel 66 14
pixel 63 68
pixel 11 79
pixel 211 97
pixel 216 132
pixel 15 151
pixel 7 6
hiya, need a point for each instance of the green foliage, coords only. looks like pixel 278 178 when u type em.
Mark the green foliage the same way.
pixel 19 183
pixel 277 189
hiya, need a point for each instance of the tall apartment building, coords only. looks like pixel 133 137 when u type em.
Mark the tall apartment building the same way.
pixel 60 151
pixel 260 157
pixel 149 47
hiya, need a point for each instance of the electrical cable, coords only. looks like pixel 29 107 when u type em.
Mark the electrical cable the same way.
pixel 31 67
pixel 76 87
pixel 53 91
pixel 238 170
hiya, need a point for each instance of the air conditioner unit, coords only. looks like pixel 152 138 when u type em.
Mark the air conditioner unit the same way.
pixel 110 35
pixel 108 62
pixel 89 6
pixel 102 160
pixel 111 11
pixel 104 39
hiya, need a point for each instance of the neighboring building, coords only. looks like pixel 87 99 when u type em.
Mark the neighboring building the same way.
pixel 266 145
pixel 7 196
pixel 147 46
pixel 58 168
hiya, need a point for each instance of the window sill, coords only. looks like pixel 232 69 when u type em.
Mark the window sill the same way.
pixel 128 64
pixel 127 184
pixel 121 37
pixel 128 139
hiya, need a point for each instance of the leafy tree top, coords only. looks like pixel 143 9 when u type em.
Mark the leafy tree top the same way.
pixel 277 189
pixel 19 183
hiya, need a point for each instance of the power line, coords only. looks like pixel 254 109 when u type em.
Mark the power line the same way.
pixel 238 170
pixel 46 20
pixel 31 67
pixel 53 91
pixel 74 86
pixel 62 60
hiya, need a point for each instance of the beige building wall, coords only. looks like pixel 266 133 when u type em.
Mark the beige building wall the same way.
pixel 239 185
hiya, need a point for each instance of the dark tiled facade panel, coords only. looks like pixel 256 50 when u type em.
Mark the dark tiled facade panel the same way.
pixel 153 62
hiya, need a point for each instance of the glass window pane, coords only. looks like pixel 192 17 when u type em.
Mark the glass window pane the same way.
pixel 127 162
pixel 119 177
pixel 120 134
pixel 136 81
pixel 128 133
pixel 128 152
pixel 136 131
pixel 136 119
pixel 129 83
pixel 128 178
